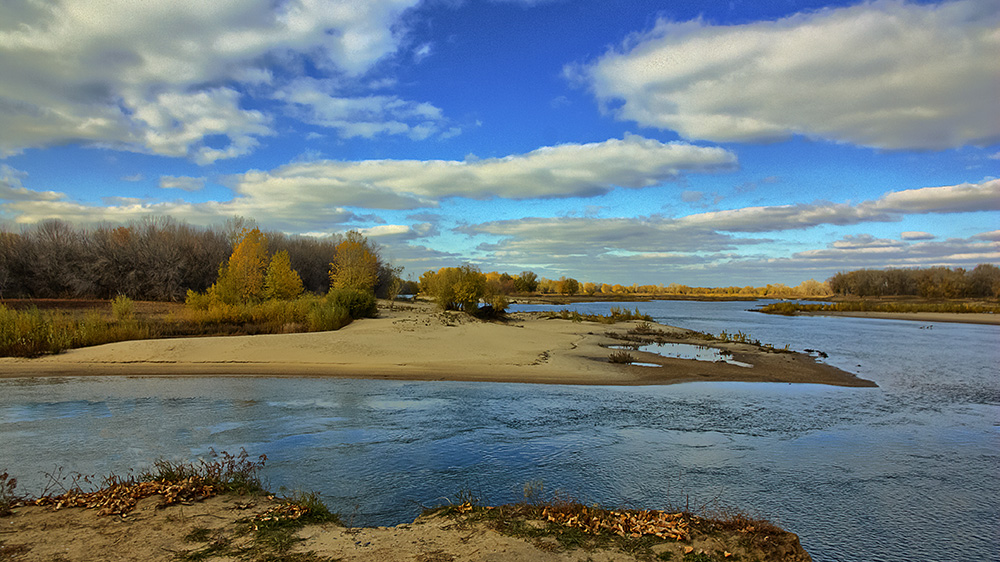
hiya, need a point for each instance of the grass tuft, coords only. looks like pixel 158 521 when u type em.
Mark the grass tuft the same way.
pixel 621 356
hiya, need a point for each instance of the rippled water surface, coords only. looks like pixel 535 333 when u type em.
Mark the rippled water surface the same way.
pixel 909 470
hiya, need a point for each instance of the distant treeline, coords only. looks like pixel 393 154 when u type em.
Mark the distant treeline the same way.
pixel 156 258
pixel 933 283
pixel 529 282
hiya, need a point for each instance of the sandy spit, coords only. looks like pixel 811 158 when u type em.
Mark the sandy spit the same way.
pixel 417 342
pixel 926 317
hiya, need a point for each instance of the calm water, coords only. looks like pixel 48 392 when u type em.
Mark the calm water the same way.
pixel 909 470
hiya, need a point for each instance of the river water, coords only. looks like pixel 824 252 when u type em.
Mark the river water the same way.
pixel 906 471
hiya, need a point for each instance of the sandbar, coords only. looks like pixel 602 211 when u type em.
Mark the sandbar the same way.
pixel 926 317
pixel 415 341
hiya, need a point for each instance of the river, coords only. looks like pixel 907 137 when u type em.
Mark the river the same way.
pixel 909 470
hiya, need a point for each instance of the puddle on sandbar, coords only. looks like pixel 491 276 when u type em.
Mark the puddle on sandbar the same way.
pixel 684 351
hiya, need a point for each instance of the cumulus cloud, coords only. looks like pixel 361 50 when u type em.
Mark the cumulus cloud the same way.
pixel 885 74
pixel 149 76
pixel 316 101
pixel 917 235
pixel 567 170
pixel 185 183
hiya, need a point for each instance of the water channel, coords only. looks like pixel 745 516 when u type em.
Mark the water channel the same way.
pixel 908 470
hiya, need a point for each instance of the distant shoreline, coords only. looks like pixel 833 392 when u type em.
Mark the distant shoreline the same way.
pixel 930 317
pixel 418 342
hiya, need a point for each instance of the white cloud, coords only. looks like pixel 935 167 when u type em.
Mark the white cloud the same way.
pixel 916 235
pixel 11 188
pixel 962 198
pixel 395 233
pixel 567 170
pixel 885 74
pixel 185 183
pixel 866 242
pixel 867 251
pixel 147 76
pixel 316 102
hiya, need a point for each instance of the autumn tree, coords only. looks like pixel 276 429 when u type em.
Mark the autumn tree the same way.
pixel 281 282
pixel 458 288
pixel 241 278
pixel 355 264
pixel 526 282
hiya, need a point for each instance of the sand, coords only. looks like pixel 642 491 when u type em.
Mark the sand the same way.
pixel 417 342
pixel 149 534
pixel 925 317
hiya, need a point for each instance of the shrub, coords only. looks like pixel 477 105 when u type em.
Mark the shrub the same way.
pixel 621 356
pixel 327 316
pixel 198 301
pixel 357 303
pixel 123 308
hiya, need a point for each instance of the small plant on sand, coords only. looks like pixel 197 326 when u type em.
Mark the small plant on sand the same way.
pixel 621 356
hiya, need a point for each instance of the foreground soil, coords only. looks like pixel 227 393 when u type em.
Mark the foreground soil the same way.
pixel 211 530
pixel 417 342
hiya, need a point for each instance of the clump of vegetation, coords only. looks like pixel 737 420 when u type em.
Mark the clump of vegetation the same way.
pixel 621 356
pixel 615 315
pixel 672 533
pixel 267 536
pixel 32 332
pixel 123 309
pixel 176 482
pixel 357 302
pixel 463 288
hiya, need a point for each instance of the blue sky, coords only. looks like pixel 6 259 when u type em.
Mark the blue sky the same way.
pixel 702 143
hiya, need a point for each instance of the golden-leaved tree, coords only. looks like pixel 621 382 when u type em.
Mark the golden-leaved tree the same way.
pixel 241 278
pixel 281 281
pixel 356 264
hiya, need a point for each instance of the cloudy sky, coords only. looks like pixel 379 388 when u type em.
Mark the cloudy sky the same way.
pixel 704 142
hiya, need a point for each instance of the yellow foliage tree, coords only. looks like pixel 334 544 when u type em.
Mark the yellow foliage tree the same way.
pixel 281 282
pixel 241 278
pixel 356 264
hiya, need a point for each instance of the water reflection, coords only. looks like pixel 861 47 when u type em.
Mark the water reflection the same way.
pixel 686 351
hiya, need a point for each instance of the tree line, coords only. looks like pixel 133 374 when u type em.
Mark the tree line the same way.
pixel 157 258
pixel 983 281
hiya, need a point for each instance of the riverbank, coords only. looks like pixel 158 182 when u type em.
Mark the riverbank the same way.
pixel 229 527
pixel 415 341
pixel 926 317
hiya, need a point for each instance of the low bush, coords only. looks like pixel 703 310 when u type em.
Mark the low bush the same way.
pixel 326 317
pixel 357 303
pixel 123 308
pixel 614 315
pixel 621 356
